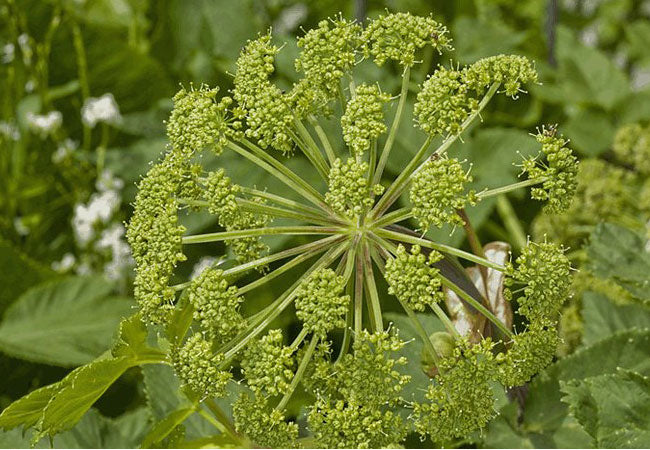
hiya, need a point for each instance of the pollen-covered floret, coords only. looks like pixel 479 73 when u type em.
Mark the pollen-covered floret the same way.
pixel 438 190
pixel 216 305
pixel 632 146
pixel 529 353
pixel 360 390
pixel 412 279
pixel 259 101
pixel 267 364
pixel 320 304
pixel 398 36
pixel 443 103
pixel 155 237
pixel 545 271
pixel 363 121
pixel 221 195
pixel 460 398
pixel 511 71
pixel 353 424
pixel 263 425
pixel 198 120
pixel 328 53
pixel 559 173
pixel 198 368
pixel 349 189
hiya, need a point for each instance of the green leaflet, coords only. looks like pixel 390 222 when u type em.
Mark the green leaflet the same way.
pixel 614 408
pixel 616 253
pixel 28 410
pixel 601 317
pixel 162 429
pixel 64 322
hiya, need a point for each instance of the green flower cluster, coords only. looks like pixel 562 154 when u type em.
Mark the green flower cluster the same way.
pixel 267 364
pixel 511 71
pixel 328 53
pixel 632 146
pixel 363 121
pixel 198 120
pixel 544 270
pixel 412 279
pixel 460 398
pixel 320 304
pixel 265 426
pixel 197 367
pixel 216 305
pixel 398 37
pixel 349 189
pixel 559 173
pixel 260 103
pixel 438 191
pixel 354 411
pixel 221 195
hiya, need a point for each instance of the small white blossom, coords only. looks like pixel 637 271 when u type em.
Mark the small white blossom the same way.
pixel 100 209
pixel 9 130
pixel 63 151
pixel 20 226
pixel 29 86
pixel 113 239
pixel 202 264
pixel 100 109
pixel 44 124
pixel 8 53
pixel 67 262
pixel 107 181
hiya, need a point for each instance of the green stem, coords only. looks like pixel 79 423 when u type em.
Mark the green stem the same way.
pixel 299 373
pixel 298 340
pixel 358 293
pixel 82 74
pixel 393 217
pixel 394 190
pixel 329 151
pixel 281 172
pixel 392 134
pixel 310 154
pixel 477 305
pixel 349 318
pixel 312 147
pixel 449 325
pixel 440 247
pixel 422 333
pixel 374 304
pixel 283 201
pixel 265 231
pixel 511 221
pixel 214 422
pixel 372 163
pixel 231 348
pixel 252 206
pixel 511 187
pixel 222 418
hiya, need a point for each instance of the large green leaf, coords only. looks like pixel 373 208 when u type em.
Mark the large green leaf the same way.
pixel 614 408
pixel 591 132
pixel 27 410
pixel 65 322
pixel 616 253
pixel 602 318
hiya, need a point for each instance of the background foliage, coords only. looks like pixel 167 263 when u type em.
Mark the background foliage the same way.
pixel 61 297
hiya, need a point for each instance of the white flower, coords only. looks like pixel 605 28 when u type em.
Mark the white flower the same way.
pixel 100 109
pixel 20 226
pixel 66 263
pixel 9 130
pixel 99 209
pixel 64 150
pixel 113 239
pixel 107 181
pixel 8 53
pixel 29 86
pixel 44 124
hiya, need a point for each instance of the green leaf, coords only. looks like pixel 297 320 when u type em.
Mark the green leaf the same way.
pixel 132 343
pixel 27 410
pixel 601 317
pixel 475 39
pixel 162 429
pixel 591 132
pixel 613 408
pixel 17 274
pixel 66 322
pixel 614 253
pixel 79 391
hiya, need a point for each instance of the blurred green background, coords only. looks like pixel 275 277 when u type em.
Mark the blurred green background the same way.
pixel 85 87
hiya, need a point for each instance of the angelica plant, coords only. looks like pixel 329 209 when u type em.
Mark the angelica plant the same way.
pixel 358 230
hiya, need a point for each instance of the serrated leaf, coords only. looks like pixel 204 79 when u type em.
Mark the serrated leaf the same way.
pixel 165 426
pixel 613 408
pixel 616 252
pixel 601 317
pixel 27 410
pixel 65 322
pixel 80 390
pixel 591 132
pixel 132 342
